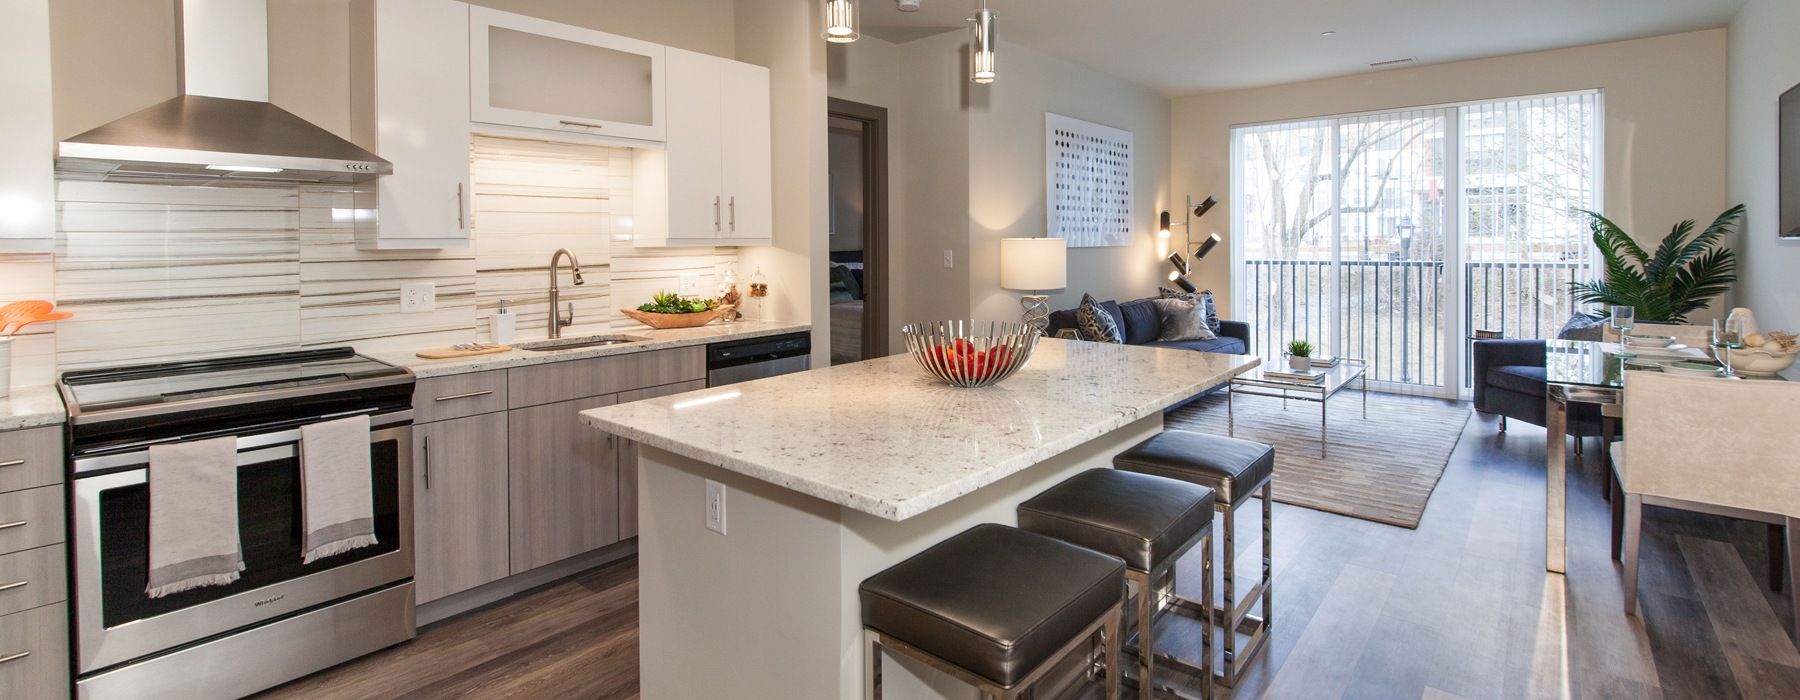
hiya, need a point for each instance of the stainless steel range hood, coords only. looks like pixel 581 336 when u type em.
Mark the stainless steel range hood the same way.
pixel 222 129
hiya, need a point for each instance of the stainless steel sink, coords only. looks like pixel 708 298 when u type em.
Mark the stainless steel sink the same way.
pixel 591 341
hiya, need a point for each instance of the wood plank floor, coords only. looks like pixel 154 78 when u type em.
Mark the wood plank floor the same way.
pixel 1458 609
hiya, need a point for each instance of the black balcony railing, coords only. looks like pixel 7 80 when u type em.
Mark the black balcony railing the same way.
pixel 1392 311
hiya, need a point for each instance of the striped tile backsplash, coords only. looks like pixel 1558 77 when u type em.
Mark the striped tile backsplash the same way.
pixel 161 272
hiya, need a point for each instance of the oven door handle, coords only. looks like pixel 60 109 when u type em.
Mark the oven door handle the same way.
pixel 247 445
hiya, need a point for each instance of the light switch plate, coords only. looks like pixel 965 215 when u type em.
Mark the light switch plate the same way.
pixel 418 297
pixel 715 506
pixel 690 283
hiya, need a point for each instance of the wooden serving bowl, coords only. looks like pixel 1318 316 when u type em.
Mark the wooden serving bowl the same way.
pixel 660 321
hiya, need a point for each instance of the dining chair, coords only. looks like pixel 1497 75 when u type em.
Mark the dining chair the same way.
pixel 1713 446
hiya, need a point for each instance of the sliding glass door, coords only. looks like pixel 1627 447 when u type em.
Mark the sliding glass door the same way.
pixel 1356 232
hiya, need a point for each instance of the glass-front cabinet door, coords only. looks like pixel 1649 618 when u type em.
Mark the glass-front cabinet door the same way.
pixel 539 74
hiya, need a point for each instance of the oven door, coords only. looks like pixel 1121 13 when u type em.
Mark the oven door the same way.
pixel 117 622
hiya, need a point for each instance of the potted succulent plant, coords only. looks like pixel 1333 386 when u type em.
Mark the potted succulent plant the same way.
pixel 1299 354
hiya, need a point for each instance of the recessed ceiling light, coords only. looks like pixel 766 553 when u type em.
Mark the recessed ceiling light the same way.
pixel 1327 33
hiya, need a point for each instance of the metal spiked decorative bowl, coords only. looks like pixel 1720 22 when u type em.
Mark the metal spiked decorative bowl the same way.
pixel 970 353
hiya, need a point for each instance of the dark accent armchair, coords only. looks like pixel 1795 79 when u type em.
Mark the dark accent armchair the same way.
pixel 1509 380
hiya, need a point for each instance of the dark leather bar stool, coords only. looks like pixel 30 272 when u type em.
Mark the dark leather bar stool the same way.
pixel 996 607
pixel 1234 469
pixel 1148 521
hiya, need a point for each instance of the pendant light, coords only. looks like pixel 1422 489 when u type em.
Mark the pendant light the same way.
pixel 981 46
pixel 841 21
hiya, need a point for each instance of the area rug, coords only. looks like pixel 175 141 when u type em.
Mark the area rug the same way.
pixel 1383 468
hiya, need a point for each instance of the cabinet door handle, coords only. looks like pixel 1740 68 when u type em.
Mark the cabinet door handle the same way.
pixel 734 213
pixel 715 214
pixel 11 525
pixel 14 657
pixel 462 221
pixel 12 463
pixel 469 395
pixel 583 125
pixel 428 462
pixel 16 584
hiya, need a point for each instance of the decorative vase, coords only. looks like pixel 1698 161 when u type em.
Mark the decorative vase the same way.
pixel 1299 363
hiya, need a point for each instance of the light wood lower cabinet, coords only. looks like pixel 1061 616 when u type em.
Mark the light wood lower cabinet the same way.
pixel 460 504
pixel 628 454
pixel 565 483
pixel 34 653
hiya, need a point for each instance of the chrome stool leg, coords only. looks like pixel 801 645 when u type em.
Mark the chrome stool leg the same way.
pixel 1233 614
pixel 1157 598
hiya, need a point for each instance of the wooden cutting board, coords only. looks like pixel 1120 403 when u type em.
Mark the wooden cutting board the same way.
pixel 452 353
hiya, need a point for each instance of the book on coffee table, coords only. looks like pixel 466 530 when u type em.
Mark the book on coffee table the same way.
pixel 1326 362
pixel 1313 376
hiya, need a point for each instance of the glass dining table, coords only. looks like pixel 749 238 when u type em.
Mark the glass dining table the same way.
pixel 1575 371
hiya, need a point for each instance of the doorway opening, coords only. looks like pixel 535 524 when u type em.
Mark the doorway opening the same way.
pixel 857 265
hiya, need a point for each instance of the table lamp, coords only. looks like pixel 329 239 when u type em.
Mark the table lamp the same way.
pixel 1034 265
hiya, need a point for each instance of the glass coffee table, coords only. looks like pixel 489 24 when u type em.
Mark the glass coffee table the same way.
pixel 1256 382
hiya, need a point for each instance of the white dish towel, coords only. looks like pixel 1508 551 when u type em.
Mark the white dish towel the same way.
pixel 335 488
pixel 193 516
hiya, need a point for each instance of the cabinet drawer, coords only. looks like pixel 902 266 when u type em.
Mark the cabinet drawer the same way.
pixel 576 379
pixel 31 518
pixel 32 578
pixel 31 458
pixel 458 395
pixel 34 653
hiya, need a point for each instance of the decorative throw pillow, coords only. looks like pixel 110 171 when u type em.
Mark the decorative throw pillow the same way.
pixel 1095 323
pixel 1182 320
pixel 1583 327
pixel 1202 298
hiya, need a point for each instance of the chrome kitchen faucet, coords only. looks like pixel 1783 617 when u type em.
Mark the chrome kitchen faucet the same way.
pixel 556 320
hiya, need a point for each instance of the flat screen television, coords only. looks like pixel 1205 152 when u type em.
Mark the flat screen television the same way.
pixel 1790 163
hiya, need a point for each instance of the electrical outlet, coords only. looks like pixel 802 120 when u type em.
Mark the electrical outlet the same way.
pixel 949 258
pixel 418 297
pixel 690 283
pixel 715 506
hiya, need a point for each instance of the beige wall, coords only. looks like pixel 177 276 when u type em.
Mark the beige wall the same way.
pixel 110 58
pixel 920 84
pixel 1665 123
pixel 1765 62
pixel 783 36
pixel 967 169
pixel 1006 176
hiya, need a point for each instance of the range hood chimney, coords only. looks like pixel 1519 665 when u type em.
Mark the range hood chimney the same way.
pixel 222 128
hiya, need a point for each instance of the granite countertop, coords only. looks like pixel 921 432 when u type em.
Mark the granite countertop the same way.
pixel 658 340
pixel 31 407
pixel 884 438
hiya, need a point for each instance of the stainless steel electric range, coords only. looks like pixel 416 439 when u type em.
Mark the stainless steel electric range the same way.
pixel 283 618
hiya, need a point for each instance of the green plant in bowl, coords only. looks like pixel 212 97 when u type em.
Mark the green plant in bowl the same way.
pixel 1300 348
pixel 666 302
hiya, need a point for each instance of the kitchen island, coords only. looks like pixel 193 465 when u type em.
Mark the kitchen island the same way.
pixel 834 474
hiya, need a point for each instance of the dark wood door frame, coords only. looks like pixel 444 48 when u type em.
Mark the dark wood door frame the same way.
pixel 875 220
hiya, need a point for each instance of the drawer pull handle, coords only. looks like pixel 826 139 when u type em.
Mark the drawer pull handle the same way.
pixel 11 525
pixel 14 657
pixel 17 584
pixel 583 125
pixel 469 395
pixel 12 463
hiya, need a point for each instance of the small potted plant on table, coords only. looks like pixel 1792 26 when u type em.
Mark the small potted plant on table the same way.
pixel 1299 354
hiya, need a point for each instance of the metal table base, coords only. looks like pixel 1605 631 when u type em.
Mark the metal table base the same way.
pixel 1321 394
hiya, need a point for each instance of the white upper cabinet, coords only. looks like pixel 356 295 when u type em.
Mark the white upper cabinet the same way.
pixel 718 165
pixel 27 137
pixel 538 74
pixel 422 88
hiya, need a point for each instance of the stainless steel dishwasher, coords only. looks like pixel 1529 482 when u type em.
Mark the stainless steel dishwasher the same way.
pixel 744 360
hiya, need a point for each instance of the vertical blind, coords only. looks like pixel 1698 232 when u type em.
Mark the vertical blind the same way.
pixel 1390 237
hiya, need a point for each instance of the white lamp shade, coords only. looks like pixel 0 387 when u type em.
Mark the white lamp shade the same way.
pixel 1034 263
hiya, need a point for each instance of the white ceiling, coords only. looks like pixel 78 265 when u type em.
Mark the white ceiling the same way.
pixel 1189 46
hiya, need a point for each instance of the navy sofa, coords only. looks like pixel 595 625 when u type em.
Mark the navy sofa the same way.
pixel 1141 325
pixel 1510 381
